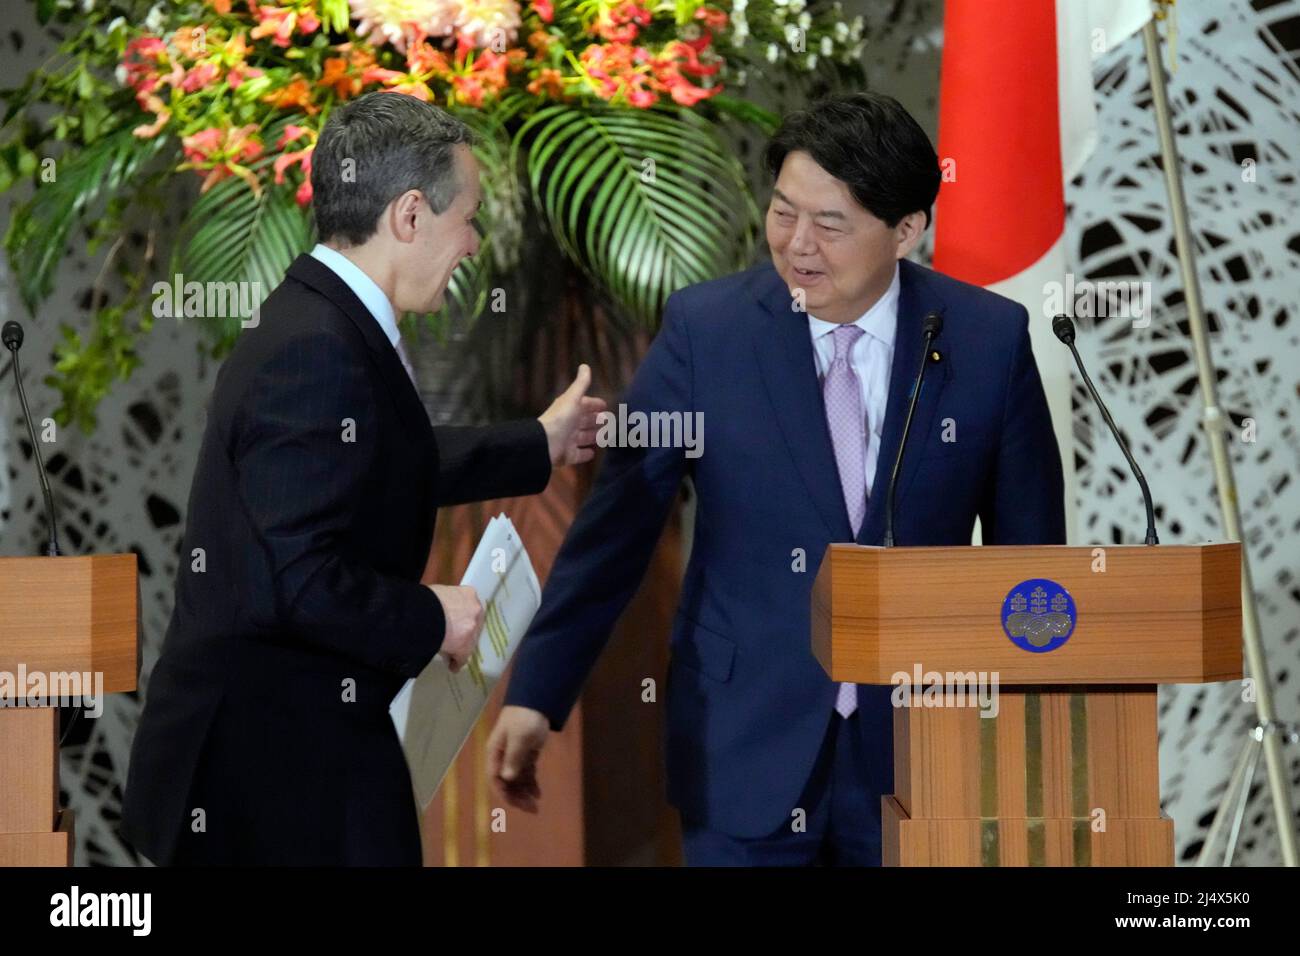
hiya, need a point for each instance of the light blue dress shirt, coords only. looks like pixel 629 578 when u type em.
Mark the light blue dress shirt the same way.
pixel 366 289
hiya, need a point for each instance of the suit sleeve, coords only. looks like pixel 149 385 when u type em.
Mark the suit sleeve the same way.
pixel 497 461
pixel 1025 501
pixel 300 480
pixel 609 546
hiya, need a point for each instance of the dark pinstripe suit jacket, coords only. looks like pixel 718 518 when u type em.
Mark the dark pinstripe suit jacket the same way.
pixel 298 609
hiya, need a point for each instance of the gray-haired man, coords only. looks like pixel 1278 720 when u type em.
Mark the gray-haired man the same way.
pixel 299 610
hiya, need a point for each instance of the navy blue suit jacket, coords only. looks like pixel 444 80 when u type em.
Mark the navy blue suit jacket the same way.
pixel 747 704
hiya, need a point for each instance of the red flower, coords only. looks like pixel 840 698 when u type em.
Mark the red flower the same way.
pixel 222 153
pixel 199 76
pixel 713 18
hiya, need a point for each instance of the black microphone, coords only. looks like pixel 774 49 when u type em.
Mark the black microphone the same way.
pixel 931 326
pixel 12 337
pixel 1064 329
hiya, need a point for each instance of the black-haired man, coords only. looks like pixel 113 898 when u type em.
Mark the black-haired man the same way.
pixel 800 369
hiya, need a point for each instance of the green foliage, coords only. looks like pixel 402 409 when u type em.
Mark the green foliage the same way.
pixel 645 201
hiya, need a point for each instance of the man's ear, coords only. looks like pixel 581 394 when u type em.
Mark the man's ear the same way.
pixel 403 213
pixel 908 233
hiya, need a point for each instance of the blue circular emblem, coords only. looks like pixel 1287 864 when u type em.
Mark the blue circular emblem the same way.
pixel 1038 615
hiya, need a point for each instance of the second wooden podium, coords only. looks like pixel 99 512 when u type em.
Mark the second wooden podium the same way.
pixel 1029 676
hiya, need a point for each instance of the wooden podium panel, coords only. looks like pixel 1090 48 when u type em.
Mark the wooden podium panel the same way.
pixel 1162 614
pixel 71 617
pixel 1022 842
pixel 1011 753
pixel 41 849
pixel 74 614
pixel 29 769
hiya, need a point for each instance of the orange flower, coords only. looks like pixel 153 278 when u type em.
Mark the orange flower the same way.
pixel 190 42
pixel 347 73
pixel 220 6
pixel 296 94
pixel 336 74
pixel 540 41
pixel 548 82
pixel 422 59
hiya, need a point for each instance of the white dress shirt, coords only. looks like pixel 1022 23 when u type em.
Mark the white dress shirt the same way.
pixel 366 289
pixel 871 359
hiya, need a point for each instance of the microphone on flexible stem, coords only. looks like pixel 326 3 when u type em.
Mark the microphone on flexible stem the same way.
pixel 12 337
pixel 931 326
pixel 1064 329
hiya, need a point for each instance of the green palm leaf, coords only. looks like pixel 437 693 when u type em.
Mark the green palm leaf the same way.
pixel 645 201
pixel 38 232
pixel 234 235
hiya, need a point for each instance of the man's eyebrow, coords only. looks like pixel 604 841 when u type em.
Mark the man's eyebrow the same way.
pixel 824 214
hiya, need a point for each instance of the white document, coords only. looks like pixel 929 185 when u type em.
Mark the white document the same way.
pixel 435 713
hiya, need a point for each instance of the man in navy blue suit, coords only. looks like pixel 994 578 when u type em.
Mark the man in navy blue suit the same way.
pixel 801 369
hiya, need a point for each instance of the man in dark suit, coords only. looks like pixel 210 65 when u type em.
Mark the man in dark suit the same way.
pixel 299 613
pixel 801 370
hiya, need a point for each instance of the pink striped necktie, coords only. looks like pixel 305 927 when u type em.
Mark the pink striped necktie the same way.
pixel 842 394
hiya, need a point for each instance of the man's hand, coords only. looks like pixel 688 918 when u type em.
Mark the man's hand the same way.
pixel 463 612
pixel 516 741
pixel 570 422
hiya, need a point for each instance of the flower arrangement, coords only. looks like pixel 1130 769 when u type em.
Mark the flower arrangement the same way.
pixel 598 111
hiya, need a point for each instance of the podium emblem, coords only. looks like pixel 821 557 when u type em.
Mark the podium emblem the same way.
pixel 1038 615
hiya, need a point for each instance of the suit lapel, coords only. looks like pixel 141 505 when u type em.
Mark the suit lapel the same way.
pixel 915 300
pixel 783 346
pixel 312 272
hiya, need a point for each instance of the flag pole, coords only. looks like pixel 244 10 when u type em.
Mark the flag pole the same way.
pixel 1267 732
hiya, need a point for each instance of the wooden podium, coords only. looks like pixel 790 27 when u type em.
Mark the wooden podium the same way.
pixel 1066 773
pixel 58 617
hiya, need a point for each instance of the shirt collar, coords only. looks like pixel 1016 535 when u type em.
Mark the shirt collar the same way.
pixel 880 321
pixel 365 288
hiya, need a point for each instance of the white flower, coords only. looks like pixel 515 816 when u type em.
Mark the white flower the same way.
pixel 841 31
pixel 812 61
pixel 153 22
pixel 738 6
pixel 827 47
pixel 855 29
pixel 805 20
pixel 482 21
pixel 115 23
pixel 773 51
pixel 381 20
pixel 120 74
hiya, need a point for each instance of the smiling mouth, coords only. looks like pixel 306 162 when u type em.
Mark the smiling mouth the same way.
pixel 806 273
